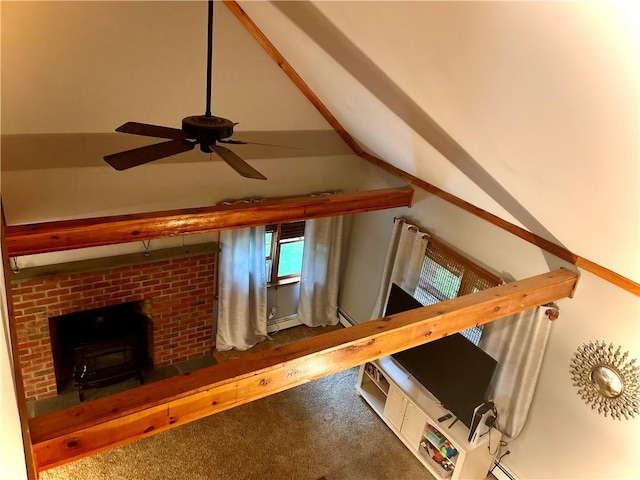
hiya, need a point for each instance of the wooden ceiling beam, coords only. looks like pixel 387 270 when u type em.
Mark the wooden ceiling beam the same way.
pixel 93 232
pixel 92 427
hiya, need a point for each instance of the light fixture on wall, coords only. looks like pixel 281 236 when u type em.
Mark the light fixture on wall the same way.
pixel 607 380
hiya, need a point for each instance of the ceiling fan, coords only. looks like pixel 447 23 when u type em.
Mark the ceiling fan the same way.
pixel 204 130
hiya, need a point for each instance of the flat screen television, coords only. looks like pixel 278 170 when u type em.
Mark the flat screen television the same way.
pixel 453 369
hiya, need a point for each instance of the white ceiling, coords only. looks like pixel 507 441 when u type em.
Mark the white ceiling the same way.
pixel 541 98
pixel 71 67
pixel 535 105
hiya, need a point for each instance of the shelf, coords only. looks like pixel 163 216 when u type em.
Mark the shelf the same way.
pixel 436 468
pixel 372 393
pixel 410 411
pixel 433 446
pixel 456 434
pixel 97 264
pixel 377 378
pixel 374 387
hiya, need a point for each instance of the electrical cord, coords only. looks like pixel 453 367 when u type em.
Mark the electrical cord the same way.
pixel 272 313
pixel 497 462
pixel 496 425
pixel 501 444
pixel 276 331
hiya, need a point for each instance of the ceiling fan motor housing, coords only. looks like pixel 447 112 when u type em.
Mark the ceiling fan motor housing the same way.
pixel 207 128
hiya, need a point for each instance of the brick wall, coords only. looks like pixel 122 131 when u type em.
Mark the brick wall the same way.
pixel 178 295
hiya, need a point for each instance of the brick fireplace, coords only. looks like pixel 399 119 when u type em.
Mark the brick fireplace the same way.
pixel 177 295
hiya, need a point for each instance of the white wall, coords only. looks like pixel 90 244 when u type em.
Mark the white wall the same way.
pixel 12 461
pixel 285 300
pixel 563 438
pixel 542 96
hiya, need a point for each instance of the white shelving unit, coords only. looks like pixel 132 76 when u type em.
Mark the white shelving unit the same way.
pixel 412 413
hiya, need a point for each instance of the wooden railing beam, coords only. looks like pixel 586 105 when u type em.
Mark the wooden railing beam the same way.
pixel 86 429
pixel 93 232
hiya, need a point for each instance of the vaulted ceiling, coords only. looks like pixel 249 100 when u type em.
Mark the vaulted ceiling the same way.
pixel 526 109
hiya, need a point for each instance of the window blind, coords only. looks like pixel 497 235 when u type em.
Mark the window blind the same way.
pixel 292 230
pixel 445 274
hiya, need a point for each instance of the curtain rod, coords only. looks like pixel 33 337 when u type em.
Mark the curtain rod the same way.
pixel 552 310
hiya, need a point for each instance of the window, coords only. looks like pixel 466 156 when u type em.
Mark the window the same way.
pixel 446 274
pixel 284 243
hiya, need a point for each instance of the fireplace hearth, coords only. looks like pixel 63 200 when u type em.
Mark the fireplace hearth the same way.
pixel 99 347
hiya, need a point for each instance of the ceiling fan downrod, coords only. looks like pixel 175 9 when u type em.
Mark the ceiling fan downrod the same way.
pixel 209 57
pixel 202 130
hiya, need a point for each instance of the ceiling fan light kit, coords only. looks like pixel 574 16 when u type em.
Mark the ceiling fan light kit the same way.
pixel 205 130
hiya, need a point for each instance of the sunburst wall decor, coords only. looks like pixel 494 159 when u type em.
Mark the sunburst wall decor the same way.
pixel 607 380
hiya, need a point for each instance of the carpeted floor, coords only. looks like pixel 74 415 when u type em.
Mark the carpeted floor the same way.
pixel 319 429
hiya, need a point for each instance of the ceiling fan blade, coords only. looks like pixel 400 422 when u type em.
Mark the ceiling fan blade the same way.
pixel 147 130
pixel 139 156
pixel 237 163
pixel 242 142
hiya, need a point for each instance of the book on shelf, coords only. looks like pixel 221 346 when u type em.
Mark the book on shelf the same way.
pixel 372 371
pixel 368 367
pixel 434 436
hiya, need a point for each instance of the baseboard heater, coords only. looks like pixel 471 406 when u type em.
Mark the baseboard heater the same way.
pixel 345 319
pixel 501 473
pixel 277 324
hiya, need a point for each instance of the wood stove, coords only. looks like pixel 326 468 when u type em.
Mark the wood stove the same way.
pixel 99 347
pixel 105 363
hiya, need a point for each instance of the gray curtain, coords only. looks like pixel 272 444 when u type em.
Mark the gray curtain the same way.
pixel 518 343
pixel 320 275
pixel 405 255
pixel 242 305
